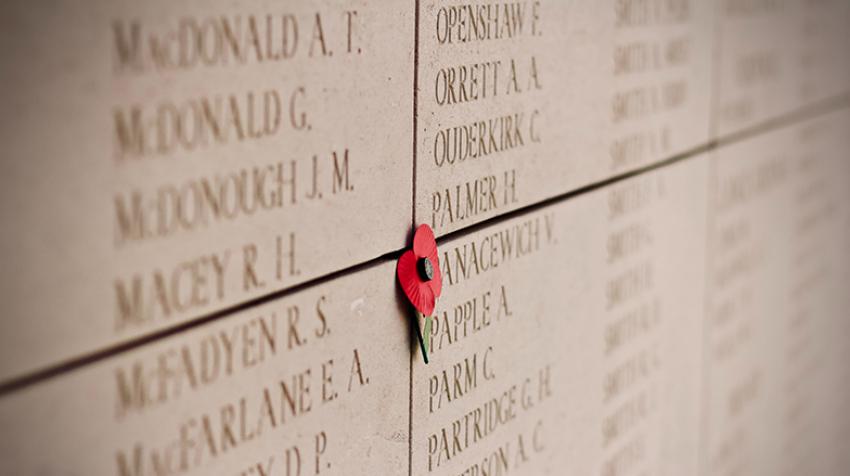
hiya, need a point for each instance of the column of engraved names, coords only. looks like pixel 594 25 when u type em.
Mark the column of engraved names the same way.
pixel 811 301
pixel 481 90
pixel 743 319
pixel 159 131
pixel 487 397
pixel 202 158
pixel 823 68
pixel 272 391
pixel 812 56
pixel 254 143
pixel 201 364
pixel 654 51
pixel 756 62
pixel 633 314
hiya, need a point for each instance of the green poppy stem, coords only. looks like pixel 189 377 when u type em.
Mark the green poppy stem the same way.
pixel 423 341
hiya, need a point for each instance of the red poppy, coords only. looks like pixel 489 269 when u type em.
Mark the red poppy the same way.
pixel 419 271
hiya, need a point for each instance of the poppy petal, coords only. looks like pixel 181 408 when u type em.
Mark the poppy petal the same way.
pixel 424 244
pixel 406 268
pixel 426 300
pixel 419 293
pixel 413 291
pixel 421 296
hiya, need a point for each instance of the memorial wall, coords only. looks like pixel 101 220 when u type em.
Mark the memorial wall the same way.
pixel 641 211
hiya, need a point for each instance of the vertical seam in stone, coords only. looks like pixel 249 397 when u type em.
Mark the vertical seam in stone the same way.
pixel 415 106
pixel 413 224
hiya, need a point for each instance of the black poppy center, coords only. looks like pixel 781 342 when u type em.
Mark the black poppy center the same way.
pixel 426 269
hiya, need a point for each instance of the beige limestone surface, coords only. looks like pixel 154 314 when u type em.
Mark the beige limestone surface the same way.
pixel 568 339
pixel 776 326
pixel 521 102
pixel 169 159
pixel 776 56
pixel 182 177
pixel 312 383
